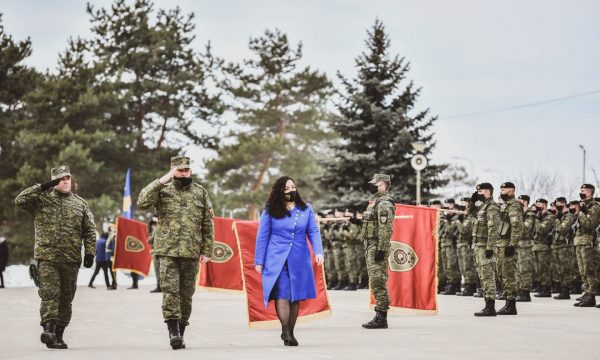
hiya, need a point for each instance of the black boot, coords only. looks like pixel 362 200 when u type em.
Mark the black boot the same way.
pixel 469 290
pixel 451 289
pixel 59 344
pixel 181 332
pixel 378 322
pixel 441 287
pixel 536 286
pixel 48 336
pixel 350 287
pixel 588 300
pixel 363 284
pixel 478 293
pixel 340 285
pixel 564 294
pixel 157 290
pixel 576 289
pixel 556 287
pixel 174 334
pixel 331 285
pixel 544 292
pixel 523 296
pixel 489 309
pixel 509 309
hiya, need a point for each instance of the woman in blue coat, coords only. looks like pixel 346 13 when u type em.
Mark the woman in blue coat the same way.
pixel 282 255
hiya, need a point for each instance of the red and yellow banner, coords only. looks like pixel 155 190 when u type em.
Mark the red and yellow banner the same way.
pixel 258 316
pixel 223 272
pixel 132 251
pixel 412 262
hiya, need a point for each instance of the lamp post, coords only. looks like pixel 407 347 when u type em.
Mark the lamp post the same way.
pixel 583 148
pixel 418 162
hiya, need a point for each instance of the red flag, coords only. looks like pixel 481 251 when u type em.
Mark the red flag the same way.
pixel 412 262
pixel 132 251
pixel 258 316
pixel 223 272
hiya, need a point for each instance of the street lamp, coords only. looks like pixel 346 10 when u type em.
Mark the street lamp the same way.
pixel 419 162
pixel 583 148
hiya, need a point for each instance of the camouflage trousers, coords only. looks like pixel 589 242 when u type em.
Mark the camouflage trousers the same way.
pixel 330 273
pixel 587 261
pixel 441 274
pixel 157 269
pixel 339 261
pixel 486 268
pixel 378 276
pixel 450 264
pixel 562 264
pixel 58 283
pixel 178 284
pixel 350 262
pixel 362 263
pixel 507 273
pixel 524 267
pixel 542 262
pixel 466 263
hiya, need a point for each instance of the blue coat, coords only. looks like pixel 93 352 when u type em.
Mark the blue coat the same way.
pixel 101 250
pixel 284 239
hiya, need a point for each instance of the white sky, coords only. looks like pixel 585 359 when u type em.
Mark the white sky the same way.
pixel 468 56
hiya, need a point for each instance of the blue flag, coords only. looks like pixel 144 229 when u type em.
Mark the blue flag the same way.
pixel 127 205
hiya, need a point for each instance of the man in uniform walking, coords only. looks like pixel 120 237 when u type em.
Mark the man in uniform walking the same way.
pixel 377 234
pixel 185 233
pixel 525 252
pixel 485 236
pixel 511 232
pixel 541 247
pixel 62 221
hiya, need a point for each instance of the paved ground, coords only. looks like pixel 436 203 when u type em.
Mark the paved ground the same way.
pixel 127 324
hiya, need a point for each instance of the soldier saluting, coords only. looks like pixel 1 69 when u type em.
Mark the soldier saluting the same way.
pixel 185 233
pixel 62 221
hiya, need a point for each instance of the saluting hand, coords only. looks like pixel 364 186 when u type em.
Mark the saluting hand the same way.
pixel 319 259
pixel 167 177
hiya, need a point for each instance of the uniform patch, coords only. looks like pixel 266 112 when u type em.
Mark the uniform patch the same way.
pixel 383 218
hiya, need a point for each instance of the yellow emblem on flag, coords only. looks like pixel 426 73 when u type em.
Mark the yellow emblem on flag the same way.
pixel 221 252
pixel 134 245
pixel 402 257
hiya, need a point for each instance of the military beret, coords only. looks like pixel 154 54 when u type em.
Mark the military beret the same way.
pixel 588 186
pixel 180 162
pixel 485 186
pixel 60 172
pixel 543 201
pixel 507 185
pixel 596 199
pixel 449 201
pixel 435 202
pixel 525 197
pixel 380 177
pixel 574 202
pixel 467 199
pixel 561 199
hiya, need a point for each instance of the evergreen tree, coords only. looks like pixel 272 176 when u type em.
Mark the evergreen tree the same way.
pixel 279 124
pixel 377 125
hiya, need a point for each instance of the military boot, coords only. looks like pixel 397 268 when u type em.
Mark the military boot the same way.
pixel 523 296
pixel 451 289
pixel 564 294
pixel 156 290
pixel 175 339
pixel 350 287
pixel 544 292
pixel 181 332
pixel 378 322
pixel 576 288
pixel 441 286
pixel 556 287
pixel 48 336
pixel 509 309
pixel 331 285
pixel 536 286
pixel 489 309
pixel 469 290
pixel 478 293
pixel 340 285
pixel 588 300
pixel 60 343
pixel 363 284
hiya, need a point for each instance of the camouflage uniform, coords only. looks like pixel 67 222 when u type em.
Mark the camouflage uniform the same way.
pixel 350 232
pixel 587 257
pixel 525 252
pixel 62 222
pixel 155 258
pixel 485 236
pixel 511 232
pixel 337 240
pixel 464 251
pixel 562 250
pixel 541 251
pixel 448 253
pixel 185 231
pixel 330 273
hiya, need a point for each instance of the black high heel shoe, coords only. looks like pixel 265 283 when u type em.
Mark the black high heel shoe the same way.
pixel 288 339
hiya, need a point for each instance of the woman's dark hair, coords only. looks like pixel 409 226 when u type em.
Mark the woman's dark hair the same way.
pixel 276 203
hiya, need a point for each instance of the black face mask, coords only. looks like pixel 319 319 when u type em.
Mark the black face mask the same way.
pixel 181 182
pixel 551 211
pixel 373 189
pixel 560 208
pixel 572 210
pixel 480 197
pixel 290 196
pixel 504 197
pixel 582 196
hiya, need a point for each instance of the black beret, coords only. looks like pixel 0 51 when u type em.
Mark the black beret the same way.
pixel 561 199
pixel 467 199
pixel 435 202
pixel 449 201
pixel 485 186
pixel 507 185
pixel 525 197
pixel 543 201
pixel 596 199
pixel 588 186
pixel 574 202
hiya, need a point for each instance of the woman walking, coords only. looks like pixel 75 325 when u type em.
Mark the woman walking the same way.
pixel 282 254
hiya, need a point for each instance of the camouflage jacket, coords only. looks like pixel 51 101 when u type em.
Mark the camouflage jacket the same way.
pixel 465 235
pixel 450 230
pixel 325 231
pixel 543 230
pixel 529 220
pixel 378 220
pixel 486 225
pixel 185 219
pixel 511 226
pixel 563 237
pixel 587 223
pixel 62 223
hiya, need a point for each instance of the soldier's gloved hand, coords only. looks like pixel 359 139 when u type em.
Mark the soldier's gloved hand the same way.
pixel 474 197
pixel 379 255
pixel 88 260
pixel 489 254
pixel 509 250
pixel 50 184
pixel 583 208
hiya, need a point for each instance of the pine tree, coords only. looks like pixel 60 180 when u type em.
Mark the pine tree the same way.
pixel 279 123
pixel 377 125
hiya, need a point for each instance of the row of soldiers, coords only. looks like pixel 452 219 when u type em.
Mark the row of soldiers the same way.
pixel 552 247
